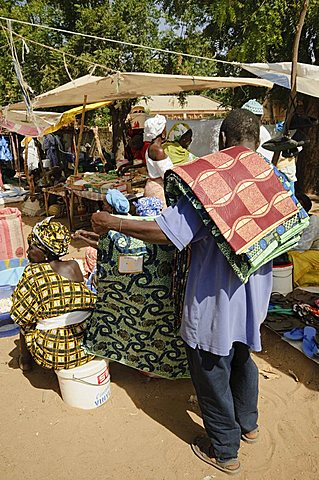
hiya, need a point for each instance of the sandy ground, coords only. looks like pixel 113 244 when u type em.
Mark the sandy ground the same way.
pixel 143 431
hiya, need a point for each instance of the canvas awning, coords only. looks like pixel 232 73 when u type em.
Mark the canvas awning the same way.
pixel 170 104
pixel 41 123
pixel 29 126
pixel 119 86
pixel 279 73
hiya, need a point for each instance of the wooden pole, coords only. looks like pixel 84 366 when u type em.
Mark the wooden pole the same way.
pixel 98 144
pixel 293 79
pixel 26 168
pixel 76 162
pixel 78 147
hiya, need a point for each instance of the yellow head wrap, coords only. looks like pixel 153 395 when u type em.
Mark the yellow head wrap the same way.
pixel 51 236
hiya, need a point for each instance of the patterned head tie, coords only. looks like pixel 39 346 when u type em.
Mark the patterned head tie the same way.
pixel 148 206
pixel 254 107
pixel 117 201
pixel 51 236
pixel 177 131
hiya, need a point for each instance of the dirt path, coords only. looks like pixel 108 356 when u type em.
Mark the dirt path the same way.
pixel 143 431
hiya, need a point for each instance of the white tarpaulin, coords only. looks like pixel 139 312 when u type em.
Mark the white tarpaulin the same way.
pixel 119 86
pixel 32 125
pixel 279 73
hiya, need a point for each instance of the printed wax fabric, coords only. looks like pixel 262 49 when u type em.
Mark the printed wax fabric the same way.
pixel 51 236
pixel 135 320
pixel 220 204
pixel 42 294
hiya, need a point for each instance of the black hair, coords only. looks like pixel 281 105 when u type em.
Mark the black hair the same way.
pixel 240 125
pixel 304 200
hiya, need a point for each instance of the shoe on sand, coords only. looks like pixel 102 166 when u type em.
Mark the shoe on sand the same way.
pixel 203 449
pixel 250 437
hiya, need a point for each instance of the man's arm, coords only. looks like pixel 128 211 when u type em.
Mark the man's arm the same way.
pixel 148 231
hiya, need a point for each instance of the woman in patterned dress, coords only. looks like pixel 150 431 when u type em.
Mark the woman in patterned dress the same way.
pixel 51 302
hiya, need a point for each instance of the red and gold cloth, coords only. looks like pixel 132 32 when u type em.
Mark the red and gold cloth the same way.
pixel 240 192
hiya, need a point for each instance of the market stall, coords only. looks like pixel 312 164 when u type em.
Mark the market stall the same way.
pixel 83 191
pixel 90 90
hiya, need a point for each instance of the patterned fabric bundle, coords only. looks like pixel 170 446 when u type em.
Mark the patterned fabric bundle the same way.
pixel 51 236
pixel 245 202
pixel 134 322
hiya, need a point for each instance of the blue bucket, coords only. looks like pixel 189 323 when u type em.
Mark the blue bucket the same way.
pixel 8 327
pixel 8 281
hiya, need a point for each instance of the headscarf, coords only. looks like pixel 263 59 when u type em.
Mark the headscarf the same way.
pixel 117 201
pixel 177 131
pixel 148 206
pixel 254 107
pixel 51 236
pixel 153 127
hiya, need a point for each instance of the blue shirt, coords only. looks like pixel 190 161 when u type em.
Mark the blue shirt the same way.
pixel 218 308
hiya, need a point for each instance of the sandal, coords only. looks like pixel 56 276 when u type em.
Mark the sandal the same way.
pixel 294 334
pixel 309 346
pixel 203 449
pixel 250 437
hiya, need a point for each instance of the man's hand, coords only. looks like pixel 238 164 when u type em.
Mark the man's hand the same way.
pixel 147 231
pixel 102 222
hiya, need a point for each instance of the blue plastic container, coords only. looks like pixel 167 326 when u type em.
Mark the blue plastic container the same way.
pixel 8 327
pixel 8 281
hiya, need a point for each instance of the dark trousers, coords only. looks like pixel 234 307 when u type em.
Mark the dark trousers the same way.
pixel 227 392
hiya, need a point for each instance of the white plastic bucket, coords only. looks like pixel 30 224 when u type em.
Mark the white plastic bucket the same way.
pixel 86 387
pixel 282 279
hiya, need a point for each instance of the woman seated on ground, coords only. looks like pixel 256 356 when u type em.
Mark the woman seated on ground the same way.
pixel 157 161
pixel 305 256
pixel 51 302
pixel 179 139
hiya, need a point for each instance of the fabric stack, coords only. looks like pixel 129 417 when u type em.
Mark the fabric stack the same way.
pixel 245 201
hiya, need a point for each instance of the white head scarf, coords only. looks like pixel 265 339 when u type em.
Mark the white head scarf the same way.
pixel 153 127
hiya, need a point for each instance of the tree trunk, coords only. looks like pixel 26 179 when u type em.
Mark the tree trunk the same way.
pixel 308 159
pixel 119 112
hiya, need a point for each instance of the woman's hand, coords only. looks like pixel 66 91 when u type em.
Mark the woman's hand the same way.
pixel 90 238
pixel 102 222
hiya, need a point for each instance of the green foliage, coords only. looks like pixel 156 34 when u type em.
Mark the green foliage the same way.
pixel 248 31
pixel 98 118
pixel 234 30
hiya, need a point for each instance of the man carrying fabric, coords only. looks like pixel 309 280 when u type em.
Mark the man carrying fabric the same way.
pixel 221 317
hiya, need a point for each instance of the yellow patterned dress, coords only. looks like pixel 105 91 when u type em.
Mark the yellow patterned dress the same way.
pixel 43 294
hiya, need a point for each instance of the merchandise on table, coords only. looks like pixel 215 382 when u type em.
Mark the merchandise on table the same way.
pixel 102 182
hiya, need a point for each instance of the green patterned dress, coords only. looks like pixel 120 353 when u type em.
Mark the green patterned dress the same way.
pixel 135 320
